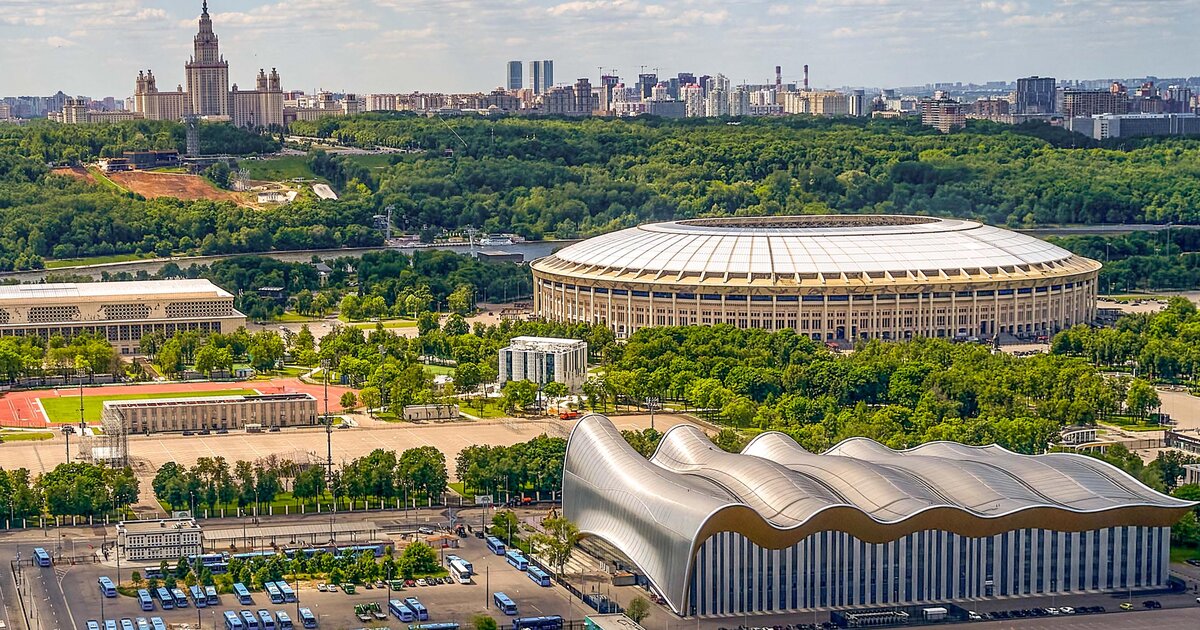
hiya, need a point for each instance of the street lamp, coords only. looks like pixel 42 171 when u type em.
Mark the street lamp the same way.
pixel 67 431
pixel 325 364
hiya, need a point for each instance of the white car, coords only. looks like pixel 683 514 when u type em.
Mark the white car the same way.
pixel 1067 610
pixel 321 587
pixel 422 582
pixel 1053 611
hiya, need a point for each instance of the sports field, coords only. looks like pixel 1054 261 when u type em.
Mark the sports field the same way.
pixel 65 409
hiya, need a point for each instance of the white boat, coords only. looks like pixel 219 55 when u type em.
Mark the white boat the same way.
pixel 495 241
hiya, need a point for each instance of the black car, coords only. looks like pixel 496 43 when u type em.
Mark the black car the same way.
pixel 222 431
pixel 205 432
pixel 188 434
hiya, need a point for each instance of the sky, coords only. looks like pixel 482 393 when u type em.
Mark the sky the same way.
pixel 96 47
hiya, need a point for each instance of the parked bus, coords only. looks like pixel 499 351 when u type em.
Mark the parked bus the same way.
pixel 126 623
pixel 210 594
pixel 552 622
pixel 144 599
pixel 285 622
pixel 307 619
pixel 110 624
pixel 141 623
pixel 517 559
pixel 199 599
pixel 232 621
pixel 495 545
pixel 402 612
pixel 249 620
pixel 539 577
pixel 459 572
pixel 41 557
pixel 265 620
pixel 504 604
pixel 273 593
pixel 179 597
pixel 242 594
pixel 435 626
pixel 470 567
pixel 107 588
pixel 418 608
pixel 157 623
pixel 289 595
pixel 153 572
pixel 164 598
pixel 209 560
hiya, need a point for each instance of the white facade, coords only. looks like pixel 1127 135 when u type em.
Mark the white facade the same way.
pixel 163 539
pixel 545 360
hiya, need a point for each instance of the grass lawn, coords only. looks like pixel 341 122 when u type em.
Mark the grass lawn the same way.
pixel 1129 423
pixel 292 317
pixel 97 260
pixel 25 436
pixel 66 408
pixel 440 370
pixel 1183 554
pixel 490 409
pixel 104 182
pixel 278 169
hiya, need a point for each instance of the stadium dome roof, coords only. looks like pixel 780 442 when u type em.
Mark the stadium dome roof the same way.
pixel 811 245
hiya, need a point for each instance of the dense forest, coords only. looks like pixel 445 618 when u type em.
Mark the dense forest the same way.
pixel 557 178
pixel 1146 261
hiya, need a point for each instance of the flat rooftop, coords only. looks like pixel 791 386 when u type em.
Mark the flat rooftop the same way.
pixel 544 342
pixel 158 525
pixel 207 400
pixel 125 290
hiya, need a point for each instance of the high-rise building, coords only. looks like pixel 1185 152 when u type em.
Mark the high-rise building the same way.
pixel 943 114
pixel 1035 95
pixel 646 83
pixel 207 72
pixel 547 74
pixel 859 105
pixel 515 79
pixel 1093 102
pixel 208 92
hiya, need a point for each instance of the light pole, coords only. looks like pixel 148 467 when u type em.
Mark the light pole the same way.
pixel 67 431
pixel 325 363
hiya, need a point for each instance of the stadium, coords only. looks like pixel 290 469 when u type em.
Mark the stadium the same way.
pixel 832 278
pixel 777 528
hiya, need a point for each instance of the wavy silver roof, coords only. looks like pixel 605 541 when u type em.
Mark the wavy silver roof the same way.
pixel 828 245
pixel 659 511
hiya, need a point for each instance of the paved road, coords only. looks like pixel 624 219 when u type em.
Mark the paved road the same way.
pixel 530 250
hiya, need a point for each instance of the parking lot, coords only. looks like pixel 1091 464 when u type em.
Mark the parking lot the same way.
pixel 446 602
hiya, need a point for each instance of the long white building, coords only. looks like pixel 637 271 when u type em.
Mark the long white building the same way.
pixel 777 528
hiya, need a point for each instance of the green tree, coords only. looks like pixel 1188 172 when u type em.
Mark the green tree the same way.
pixel 1141 398
pixel 557 541
pixel 371 398
pixel 638 609
pixel 462 300
pixel 484 622
pixel 349 401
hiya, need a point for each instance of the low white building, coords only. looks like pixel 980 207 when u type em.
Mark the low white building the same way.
pixel 545 360
pixel 161 539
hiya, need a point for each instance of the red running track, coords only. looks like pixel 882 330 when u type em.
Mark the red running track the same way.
pixel 18 409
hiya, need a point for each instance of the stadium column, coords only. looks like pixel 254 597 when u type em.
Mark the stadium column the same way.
pixel 628 314
pixel 652 321
pixel 592 306
pixel 537 298
pixel 775 313
pixel 675 319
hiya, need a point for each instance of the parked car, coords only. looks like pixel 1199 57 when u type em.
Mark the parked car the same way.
pixel 321 587
pixel 1126 606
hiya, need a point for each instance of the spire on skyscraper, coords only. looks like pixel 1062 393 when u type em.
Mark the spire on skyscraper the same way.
pixel 204 11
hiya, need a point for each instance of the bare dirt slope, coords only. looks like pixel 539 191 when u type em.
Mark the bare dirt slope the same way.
pixel 154 185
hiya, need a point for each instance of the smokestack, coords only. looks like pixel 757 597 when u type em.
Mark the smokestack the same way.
pixel 778 78
pixel 805 77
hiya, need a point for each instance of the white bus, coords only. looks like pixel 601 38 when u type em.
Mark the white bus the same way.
pixel 460 573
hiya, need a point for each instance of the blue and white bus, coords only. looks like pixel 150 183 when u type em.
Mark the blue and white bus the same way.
pixel 198 597
pixel 552 622
pixel 273 593
pixel 418 608
pixel 460 573
pixel 285 622
pixel 451 559
pixel 107 588
pixel 401 611
pixel 232 621
pixel 157 623
pixel 144 599
pixel 249 620
pixel 435 626
pixel 504 604
pixel 242 594
pixel 539 577
pixel 164 598
pixel 495 545
pixel 153 572
pixel 141 623
pixel 289 595
pixel 307 619
pixel 517 559
pixel 265 620
pixel 41 557
pixel 210 594
pixel 180 598
pixel 110 624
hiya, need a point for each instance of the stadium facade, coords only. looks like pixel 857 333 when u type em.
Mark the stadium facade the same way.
pixel 832 278
pixel 777 528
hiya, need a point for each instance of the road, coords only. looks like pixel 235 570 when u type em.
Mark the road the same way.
pixel 531 251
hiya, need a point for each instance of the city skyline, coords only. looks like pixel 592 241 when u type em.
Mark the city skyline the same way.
pixel 406 45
